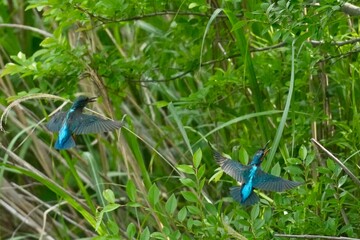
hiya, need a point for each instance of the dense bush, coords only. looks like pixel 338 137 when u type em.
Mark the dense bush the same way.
pixel 179 73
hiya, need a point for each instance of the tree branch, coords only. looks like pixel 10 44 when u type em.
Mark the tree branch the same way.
pixel 306 236
pixel 148 15
pixel 348 172
pixel 40 31
pixel 350 9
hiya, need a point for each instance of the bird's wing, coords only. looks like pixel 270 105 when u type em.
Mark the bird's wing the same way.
pixel 268 182
pixel 55 123
pixel 92 124
pixel 233 168
pixel 235 192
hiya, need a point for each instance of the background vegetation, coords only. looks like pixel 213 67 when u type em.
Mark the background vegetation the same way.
pixel 235 73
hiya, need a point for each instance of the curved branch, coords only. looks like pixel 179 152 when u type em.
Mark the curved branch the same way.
pixel 11 25
pixel 148 15
pixel 350 9
pixel 307 236
pixel 348 172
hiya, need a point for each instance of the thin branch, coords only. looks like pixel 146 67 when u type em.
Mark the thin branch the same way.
pixel 279 45
pixel 340 55
pixel 350 9
pixel 148 15
pixel 353 177
pixel 340 43
pixel 306 236
pixel 11 25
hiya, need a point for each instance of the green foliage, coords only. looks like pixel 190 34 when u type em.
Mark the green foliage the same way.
pixel 180 74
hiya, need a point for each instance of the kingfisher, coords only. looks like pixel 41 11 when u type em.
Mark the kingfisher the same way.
pixel 252 177
pixel 75 122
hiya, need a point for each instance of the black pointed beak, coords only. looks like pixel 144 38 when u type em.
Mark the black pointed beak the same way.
pixel 266 151
pixel 266 144
pixel 92 99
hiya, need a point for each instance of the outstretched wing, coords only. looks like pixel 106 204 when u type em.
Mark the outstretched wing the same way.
pixel 270 182
pixel 236 194
pixel 55 123
pixel 233 168
pixel 92 124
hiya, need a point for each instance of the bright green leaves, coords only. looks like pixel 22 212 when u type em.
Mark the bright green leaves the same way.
pixel 109 196
pixel 189 196
pixel 153 195
pixel 276 169
pixel 197 181
pixel 197 158
pixel 302 152
pixel 131 230
pixel 171 205
pixel 23 66
pixel 186 169
pixel 131 190
pixel 110 207
pixel 182 214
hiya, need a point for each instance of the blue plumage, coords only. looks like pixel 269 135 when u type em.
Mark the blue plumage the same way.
pixel 250 177
pixel 74 122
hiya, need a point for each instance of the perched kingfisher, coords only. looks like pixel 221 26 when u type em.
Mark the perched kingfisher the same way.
pixel 74 122
pixel 251 176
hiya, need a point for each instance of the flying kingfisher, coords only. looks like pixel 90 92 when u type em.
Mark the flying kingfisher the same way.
pixel 74 122
pixel 251 176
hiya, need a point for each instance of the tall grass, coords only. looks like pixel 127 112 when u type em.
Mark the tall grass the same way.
pixel 179 75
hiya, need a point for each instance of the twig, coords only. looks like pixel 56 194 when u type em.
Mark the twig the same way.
pixel 148 15
pixel 306 236
pixel 11 25
pixel 353 177
pixel 340 43
pixel 350 9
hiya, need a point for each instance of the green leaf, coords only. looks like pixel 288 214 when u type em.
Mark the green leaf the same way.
pixel 239 25
pixel 193 5
pixel 294 160
pixel 131 190
pixel 182 214
pixel 114 228
pixel 161 104
pixel 255 212
pixel 276 169
pixel 188 182
pixel 216 177
pixel 243 156
pixel 11 69
pixel 111 207
pixel 171 205
pixel 202 183
pixel 197 158
pixel 302 152
pixel 158 235
pixel 154 195
pixel 145 235
pixel 134 204
pixel 342 180
pixel 109 195
pixel 294 170
pixel 200 172
pixel 309 159
pixel 99 218
pixel 186 169
pixel 258 223
pixel 194 210
pixel 189 196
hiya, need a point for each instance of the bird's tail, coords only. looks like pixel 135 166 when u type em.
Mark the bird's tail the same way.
pixel 69 143
pixel 235 192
